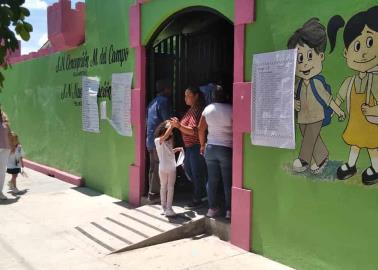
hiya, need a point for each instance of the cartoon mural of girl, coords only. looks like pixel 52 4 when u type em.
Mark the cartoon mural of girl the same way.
pixel 359 91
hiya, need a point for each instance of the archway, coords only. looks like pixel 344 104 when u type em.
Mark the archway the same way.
pixel 195 46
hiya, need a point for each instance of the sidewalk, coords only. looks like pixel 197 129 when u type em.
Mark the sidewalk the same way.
pixel 37 232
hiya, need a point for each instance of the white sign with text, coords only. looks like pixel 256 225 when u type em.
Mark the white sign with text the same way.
pixel 121 103
pixel 89 104
pixel 273 80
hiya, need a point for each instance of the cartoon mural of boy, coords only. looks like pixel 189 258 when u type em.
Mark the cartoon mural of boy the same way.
pixel 314 101
pixel 360 91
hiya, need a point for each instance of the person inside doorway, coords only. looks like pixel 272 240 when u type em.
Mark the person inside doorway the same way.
pixel 194 163
pixel 217 120
pixel 158 110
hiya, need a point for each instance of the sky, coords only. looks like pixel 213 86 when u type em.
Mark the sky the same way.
pixel 38 19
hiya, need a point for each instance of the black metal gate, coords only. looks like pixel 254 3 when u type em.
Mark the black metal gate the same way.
pixel 191 59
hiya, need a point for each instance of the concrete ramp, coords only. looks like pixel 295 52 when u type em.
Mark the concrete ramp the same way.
pixel 140 227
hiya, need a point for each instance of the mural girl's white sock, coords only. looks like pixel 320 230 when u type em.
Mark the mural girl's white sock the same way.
pixel 353 155
pixel 373 153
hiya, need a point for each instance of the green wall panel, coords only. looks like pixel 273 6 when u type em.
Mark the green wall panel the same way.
pixel 50 127
pixel 305 221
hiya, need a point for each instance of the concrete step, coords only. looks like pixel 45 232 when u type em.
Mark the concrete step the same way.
pixel 140 227
pixel 219 227
pixel 102 237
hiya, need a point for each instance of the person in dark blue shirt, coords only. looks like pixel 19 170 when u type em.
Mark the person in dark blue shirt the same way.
pixel 158 110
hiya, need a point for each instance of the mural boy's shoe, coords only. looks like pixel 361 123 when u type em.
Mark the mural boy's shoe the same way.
pixel 370 179
pixel 342 174
pixel 315 169
pixel 300 165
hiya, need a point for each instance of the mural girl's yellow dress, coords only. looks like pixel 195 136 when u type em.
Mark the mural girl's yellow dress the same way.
pixel 359 131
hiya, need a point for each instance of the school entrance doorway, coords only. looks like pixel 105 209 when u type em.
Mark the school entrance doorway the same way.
pixel 194 47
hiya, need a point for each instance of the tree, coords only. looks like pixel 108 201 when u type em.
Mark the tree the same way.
pixel 12 22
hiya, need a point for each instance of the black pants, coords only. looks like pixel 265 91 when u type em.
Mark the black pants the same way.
pixel 153 174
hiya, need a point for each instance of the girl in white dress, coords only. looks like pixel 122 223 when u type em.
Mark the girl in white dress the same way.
pixel 167 165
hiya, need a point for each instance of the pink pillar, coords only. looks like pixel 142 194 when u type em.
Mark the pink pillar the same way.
pixel 244 11
pixel 137 170
pixel 241 198
pixel 239 31
pixel 135 27
pixel 241 220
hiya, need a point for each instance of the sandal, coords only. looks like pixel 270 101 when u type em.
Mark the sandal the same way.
pixel 342 175
pixel 370 179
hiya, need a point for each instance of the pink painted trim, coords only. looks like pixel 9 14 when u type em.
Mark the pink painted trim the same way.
pixel 242 107
pixel 239 53
pixel 65 27
pixel 241 222
pixel 237 159
pixel 61 175
pixel 135 106
pixel 135 27
pixel 137 173
pixel 140 68
pixel 245 11
pixel 135 188
pixel 143 1
pixel 241 210
pixel 141 83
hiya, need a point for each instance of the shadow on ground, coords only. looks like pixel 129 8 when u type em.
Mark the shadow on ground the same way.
pixel 9 201
pixel 87 191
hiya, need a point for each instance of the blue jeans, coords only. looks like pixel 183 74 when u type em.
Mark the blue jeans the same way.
pixel 195 168
pixel 219 168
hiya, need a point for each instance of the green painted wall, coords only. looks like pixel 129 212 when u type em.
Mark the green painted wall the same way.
pixel 308 222
pixel 305 222
pixel 50 128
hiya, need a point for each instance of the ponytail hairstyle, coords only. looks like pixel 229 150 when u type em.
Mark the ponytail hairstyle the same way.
pixel 353 28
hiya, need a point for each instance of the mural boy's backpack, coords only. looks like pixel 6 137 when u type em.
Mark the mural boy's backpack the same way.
pixel 327 109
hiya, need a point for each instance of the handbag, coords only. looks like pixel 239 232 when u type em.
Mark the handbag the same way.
pixel 370 118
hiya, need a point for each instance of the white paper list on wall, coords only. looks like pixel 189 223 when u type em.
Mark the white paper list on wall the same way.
pixel 89 104
pixel 121 103
pixel 272 99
